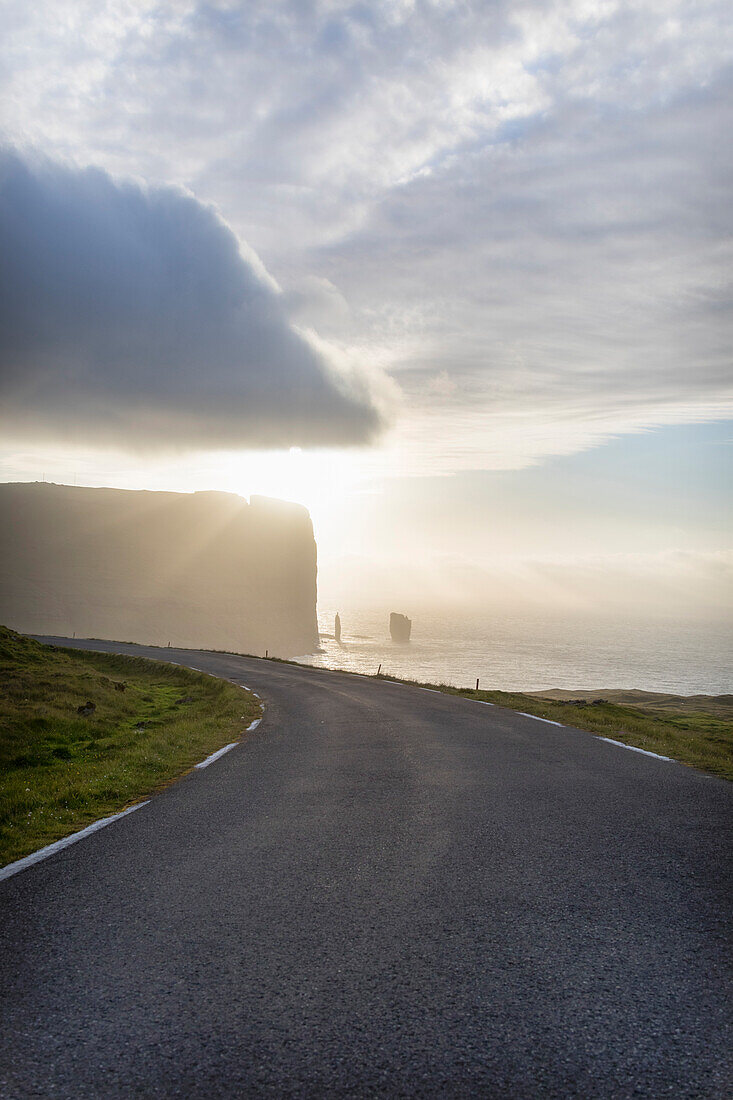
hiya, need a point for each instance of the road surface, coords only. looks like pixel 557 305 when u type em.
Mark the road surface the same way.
pixel 381 892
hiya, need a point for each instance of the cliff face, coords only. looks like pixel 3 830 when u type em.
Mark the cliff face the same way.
pixel 199 570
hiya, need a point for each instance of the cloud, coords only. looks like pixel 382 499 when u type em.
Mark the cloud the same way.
pixel 527 198
pixel 574 282
pixel 131 316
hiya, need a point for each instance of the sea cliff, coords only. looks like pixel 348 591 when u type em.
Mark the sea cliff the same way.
pixel 195 569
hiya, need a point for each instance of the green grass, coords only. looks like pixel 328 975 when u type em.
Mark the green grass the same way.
pixel 60 771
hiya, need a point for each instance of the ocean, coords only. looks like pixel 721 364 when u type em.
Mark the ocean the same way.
pixel 531 653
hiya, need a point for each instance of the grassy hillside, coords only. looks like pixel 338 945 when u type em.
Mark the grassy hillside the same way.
pixel 61 770
pixel 655 702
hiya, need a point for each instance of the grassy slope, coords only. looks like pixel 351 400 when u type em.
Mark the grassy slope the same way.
pixel 60 771
pixel 656 702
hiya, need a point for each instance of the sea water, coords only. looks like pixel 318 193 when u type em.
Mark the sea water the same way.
pixel 531 653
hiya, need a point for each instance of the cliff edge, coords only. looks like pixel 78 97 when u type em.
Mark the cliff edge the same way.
pixel 195 569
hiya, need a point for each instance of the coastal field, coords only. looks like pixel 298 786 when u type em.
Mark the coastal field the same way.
pixel 62 768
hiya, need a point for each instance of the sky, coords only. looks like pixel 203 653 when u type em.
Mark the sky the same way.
pixel 454 275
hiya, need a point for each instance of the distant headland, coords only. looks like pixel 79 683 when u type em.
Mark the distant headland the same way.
pixel 205 570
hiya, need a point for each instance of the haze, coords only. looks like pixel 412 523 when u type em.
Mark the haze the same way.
pixel 454 276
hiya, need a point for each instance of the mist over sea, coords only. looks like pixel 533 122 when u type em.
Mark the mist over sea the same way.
pixel 530 653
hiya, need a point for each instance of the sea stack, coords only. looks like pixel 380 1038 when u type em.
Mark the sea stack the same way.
pixel 337 628
pixel 399 627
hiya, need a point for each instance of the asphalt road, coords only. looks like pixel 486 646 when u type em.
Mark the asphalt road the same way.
pixel 381 892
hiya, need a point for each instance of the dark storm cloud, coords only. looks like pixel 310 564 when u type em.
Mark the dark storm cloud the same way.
pixel 129 316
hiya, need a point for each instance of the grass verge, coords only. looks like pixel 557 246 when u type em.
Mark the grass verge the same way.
pixel 61 770
pixel 700 735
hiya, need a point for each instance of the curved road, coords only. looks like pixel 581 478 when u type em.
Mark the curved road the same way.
pixel 380 892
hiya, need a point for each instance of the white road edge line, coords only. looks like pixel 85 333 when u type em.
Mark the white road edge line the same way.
pixel 483 702
pixel 227 748
pixel 215 755
pixel 633 748
pixel 59 845
pixel 538 719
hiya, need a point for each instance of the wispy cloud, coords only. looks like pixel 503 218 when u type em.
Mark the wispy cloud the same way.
pixel 526 200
